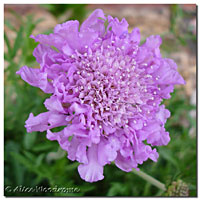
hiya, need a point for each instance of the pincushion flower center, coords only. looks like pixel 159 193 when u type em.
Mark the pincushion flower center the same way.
pixel 108 81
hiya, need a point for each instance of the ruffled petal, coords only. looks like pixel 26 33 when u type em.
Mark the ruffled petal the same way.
pixel 155 134
pixel 54 40
pixel 118 28
pixel 36 78
pixel 108 129
pixel 53 104
pixel 77 129
pixel 162 114
pixel 38 123
pixel 135 36
pixel 153 42
pixel 69 32
pixel 57 119
pixel 167 74
pixel 142 152
pixel 94 22
pixel 136 124
pixel 125 164
pixel 40 51
pixel 81 155
pixel 62 139
pixel 44 121
pixel 74 143
pixel 106 153
pixel 73 39
pixel 159 138
pixel 76 108
pixel 94 134
pixel 165 91
pixel 92 171
pixel 77 148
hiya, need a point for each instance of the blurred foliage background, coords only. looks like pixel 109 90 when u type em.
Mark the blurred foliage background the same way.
pixel 31 160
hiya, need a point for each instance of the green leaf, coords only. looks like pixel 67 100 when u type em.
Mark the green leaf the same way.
pixel 6 57
pixel 23 160
pixel 72 166
pixel 26 162
pixel 167 154
pixel 43 147
pixel 7 43
pixel 30 156
pixel 29 140
pixel 17 173
pixel 38 21
pixel 39 159
pixel 116 189
pixel 18 42
pixel 10 26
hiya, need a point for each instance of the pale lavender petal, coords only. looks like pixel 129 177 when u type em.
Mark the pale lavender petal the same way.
pixel 117 27
pixel 94 22
pixel 92 171
pixel 135 35
pixel 125 164
pixel 38 123
pixel 44 121
pixel 40 51
pixel 53 104
pixel 36 78
pixel 106 153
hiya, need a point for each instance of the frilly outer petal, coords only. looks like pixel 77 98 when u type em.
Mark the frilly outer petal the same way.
pixel 36 78
pixel 92 171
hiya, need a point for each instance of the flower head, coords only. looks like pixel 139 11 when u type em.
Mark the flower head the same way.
pixel 106 90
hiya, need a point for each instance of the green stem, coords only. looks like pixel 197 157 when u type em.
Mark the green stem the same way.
pixel 150 179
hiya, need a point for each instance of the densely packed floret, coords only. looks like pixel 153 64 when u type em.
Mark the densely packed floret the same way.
pixel 106 91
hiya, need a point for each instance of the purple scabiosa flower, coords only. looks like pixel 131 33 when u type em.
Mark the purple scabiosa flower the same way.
pixel 106 91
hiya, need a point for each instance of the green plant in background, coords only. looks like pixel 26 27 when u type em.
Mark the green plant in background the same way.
pixel 180 26
pixel 34 161
pixel 73 11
